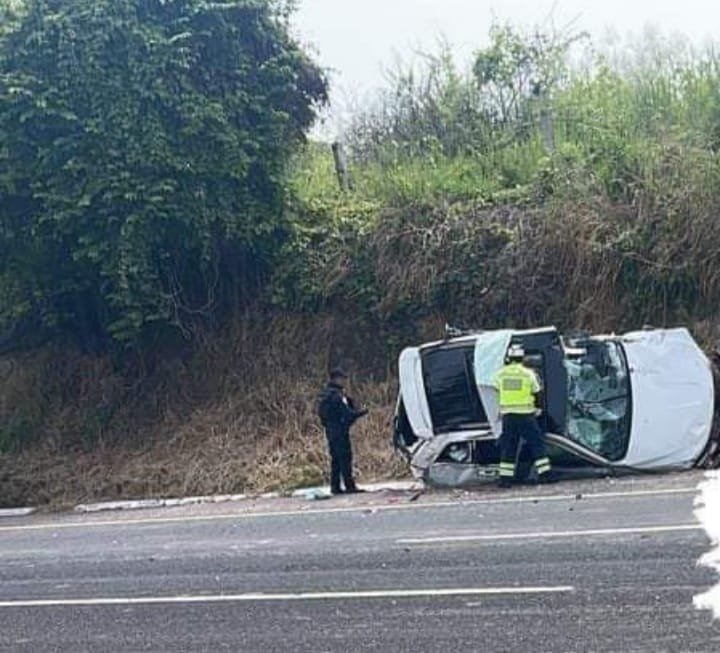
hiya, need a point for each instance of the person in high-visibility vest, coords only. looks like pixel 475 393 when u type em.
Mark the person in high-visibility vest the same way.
pixel 518 387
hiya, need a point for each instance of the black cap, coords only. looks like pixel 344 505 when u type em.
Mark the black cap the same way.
pixel 338 373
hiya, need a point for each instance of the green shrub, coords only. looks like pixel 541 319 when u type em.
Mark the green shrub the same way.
pixel 142 161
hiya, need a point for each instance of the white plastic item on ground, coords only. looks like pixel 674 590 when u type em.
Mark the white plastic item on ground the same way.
pixel 396 486
pixel 708 512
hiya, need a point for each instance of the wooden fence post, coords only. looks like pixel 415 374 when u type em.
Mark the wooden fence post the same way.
pixel 341 167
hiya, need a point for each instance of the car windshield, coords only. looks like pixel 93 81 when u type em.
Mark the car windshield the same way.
pixel 599 399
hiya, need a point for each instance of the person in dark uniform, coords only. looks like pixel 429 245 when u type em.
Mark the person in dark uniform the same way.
pixel 338 413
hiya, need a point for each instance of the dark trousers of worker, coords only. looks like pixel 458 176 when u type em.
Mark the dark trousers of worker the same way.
pixel 340 459
pixel 525 427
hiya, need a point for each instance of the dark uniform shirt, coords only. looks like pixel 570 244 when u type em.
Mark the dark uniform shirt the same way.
pixel 337 410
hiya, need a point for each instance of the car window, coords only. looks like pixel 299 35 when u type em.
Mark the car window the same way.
pixel 599 399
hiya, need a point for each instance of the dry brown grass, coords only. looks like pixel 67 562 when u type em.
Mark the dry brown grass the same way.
pixel 590 264
pixel 237 416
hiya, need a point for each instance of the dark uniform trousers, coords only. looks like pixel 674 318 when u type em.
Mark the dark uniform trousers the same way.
pixel 516 427
pixel 338 439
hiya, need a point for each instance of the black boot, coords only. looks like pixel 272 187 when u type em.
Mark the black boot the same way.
pixel 548 477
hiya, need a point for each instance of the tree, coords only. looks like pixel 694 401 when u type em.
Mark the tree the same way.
pixel 516 67
pixel 143 146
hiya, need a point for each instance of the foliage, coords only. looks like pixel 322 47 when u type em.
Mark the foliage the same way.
pixel 483 216
pixel 517 69
pixel 142 160
pixel 434 108
pixel 427 110
pixel 595 208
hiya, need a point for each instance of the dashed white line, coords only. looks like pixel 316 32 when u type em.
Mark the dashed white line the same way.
pixel 300 596
pixel 640 530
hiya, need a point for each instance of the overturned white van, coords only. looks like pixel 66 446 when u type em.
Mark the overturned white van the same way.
pixel 642 401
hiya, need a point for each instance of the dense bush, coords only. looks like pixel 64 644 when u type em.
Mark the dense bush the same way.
pixel 143 148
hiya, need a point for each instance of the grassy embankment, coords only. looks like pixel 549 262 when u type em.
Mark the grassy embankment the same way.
pixel 456 215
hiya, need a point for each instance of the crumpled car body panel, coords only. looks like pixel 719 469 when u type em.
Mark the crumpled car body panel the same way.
pixel 642 401
pixel 673 397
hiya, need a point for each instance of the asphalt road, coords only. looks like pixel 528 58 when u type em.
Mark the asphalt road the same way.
pixel 612 570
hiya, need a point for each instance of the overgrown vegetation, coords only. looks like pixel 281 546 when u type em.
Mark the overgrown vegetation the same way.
pixel 547 184
pixel 142 162
pixel 527 190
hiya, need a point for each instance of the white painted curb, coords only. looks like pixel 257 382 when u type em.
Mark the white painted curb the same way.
pixel 16 512
pixel 310 493
pixel 144 504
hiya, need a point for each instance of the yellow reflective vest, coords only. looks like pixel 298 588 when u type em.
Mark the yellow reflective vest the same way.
pixel 517 386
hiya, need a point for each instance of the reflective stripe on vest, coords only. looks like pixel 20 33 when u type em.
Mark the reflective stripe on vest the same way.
pixel 517 386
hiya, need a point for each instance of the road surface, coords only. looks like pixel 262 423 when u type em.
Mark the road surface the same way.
pixel 575 567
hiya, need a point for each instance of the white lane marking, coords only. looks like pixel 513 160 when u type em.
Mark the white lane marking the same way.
pixel 300 596
pixel 551 534
pixel 354 509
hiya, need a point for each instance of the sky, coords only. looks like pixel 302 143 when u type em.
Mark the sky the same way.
pixel 359 39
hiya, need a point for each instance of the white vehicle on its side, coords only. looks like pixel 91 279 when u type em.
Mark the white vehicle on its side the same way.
pixel 641 401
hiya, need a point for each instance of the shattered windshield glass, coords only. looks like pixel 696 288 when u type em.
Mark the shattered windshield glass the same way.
pixel 599 399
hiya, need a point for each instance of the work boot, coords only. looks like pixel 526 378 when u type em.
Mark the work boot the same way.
pixel 335 491
pixel 504 483
pixel 548 478
pixel 354 489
